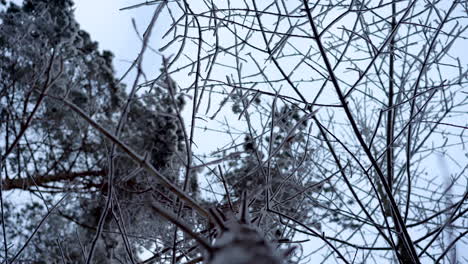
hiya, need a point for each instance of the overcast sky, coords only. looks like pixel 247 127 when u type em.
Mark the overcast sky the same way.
pixel 113 30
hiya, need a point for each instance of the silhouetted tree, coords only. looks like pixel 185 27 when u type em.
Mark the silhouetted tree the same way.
pixel 329 116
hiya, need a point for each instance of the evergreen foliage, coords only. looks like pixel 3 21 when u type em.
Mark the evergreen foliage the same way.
pixel 61 153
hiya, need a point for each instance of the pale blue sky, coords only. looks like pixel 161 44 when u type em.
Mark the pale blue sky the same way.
pixel 114 31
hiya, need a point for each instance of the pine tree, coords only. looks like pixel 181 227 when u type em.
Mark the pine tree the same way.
pixel 59 153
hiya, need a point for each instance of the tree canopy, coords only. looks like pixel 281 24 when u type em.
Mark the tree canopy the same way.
pixel 330 114
pixel 46 150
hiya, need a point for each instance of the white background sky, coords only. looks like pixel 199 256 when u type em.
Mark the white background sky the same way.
pixel 113 30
